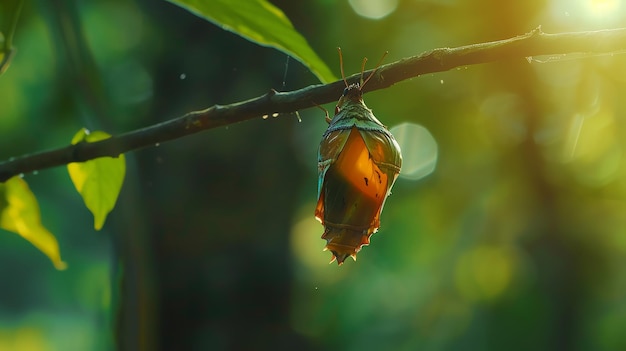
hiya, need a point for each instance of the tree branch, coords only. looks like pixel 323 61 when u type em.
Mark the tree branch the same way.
pixel 530 44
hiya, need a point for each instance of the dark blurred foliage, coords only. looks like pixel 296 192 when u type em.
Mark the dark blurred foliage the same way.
pixel 515 241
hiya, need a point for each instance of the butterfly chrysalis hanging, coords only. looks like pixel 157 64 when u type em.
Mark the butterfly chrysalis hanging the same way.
pixel 358 162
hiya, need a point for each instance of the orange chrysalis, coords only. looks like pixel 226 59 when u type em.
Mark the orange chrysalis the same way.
pixel 358 162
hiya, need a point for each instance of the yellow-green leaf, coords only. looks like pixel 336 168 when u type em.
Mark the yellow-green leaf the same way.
pixel 5 60
pixel 98 181
pixel 6 54
pixel 19 213
pixel 263 23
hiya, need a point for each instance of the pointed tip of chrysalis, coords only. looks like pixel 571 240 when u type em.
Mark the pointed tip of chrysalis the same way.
pixel 339 257
pixel 344 243
pixel 333 259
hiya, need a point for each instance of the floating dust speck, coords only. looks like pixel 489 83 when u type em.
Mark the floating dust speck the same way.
pixel 182 76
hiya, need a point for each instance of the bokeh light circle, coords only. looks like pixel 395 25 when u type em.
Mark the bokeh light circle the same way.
pixel 373 9
pixel 419 150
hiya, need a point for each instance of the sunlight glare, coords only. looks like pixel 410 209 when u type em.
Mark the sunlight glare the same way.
pixel 598 8
pixel 600 13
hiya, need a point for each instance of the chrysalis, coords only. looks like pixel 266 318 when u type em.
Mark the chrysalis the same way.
pixel 358 162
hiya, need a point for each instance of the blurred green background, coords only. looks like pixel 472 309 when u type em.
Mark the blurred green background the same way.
pixel 515 240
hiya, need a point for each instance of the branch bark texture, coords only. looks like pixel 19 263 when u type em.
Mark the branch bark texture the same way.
pixel 530 44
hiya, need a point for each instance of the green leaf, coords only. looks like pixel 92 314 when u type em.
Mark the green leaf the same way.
pixel 98 181
pixel 263 23
pixel 19 213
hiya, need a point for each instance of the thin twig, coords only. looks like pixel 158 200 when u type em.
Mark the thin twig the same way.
pixel 530 44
